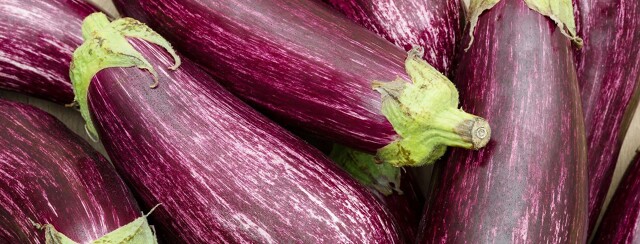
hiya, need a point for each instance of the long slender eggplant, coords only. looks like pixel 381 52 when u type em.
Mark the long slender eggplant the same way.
pixel 51 179
pixel 37 39
pixel 529 184
pixel 608 73
pixel 304 62
pixel 620 223
pixel 222 171
pixel 433 24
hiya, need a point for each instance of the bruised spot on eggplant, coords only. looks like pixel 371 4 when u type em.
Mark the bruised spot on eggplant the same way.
pixel 105 46
pixel 138 231
pixel 426 116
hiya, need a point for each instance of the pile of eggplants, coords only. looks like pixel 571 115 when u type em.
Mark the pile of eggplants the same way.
pixel 608 73
pixel 546 112
pixel 52 183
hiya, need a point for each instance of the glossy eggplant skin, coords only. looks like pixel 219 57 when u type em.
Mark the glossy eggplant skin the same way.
pixel 529 184
pixel 38 38
pixel 620 222
pixel 435 25
pixel 298 59
pixel 608 73
pixel 222 171
pixel 51 176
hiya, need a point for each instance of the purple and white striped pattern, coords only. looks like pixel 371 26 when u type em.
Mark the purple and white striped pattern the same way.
pixel 298 59
pixel 37 39
pixel 528 185
pixel 609 74
pixel 433 24
pixel 621 221
pixel 51 176
pixel 223 172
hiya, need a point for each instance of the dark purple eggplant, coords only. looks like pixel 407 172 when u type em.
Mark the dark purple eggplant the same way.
pixel 222 171
pixel 620 223
pixel 433 24
pixel 52 179
pixel 37 39
pixel 305 63
pixel 608 73
pixel 529 184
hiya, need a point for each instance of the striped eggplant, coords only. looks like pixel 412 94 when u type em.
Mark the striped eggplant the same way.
pixel 37 39
pixel 608 74
pixel 434 25
pixel 304 62
pixel 51 179
pixel 529 184
pixel 222 171
pixel 620 223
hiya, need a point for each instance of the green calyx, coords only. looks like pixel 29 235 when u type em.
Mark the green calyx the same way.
pixel 426 116
pixel 380 176
pixel 138 231
pixel 560 11
pixel 106 46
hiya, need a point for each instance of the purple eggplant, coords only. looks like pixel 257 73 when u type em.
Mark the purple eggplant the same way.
pixel 608 74
pixel 222 171
pixel 529 184
pixel 37 39
pixel 51 179
pixel 621 220
pixel 305 63
pixel 432 24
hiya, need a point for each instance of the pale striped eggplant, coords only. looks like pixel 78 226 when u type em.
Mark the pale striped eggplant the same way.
pixel 529 184
pixel 51 177
pixel 608 73
pixel 435 25
pixel 37 39
pixel 223 172
pixel 621 221
pixel 305 63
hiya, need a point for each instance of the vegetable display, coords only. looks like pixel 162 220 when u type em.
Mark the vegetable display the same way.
pixel 37 39
pixel 223 172
pixel 305 63
pixel 608 68
pixel 54 188
pixel 434 25
pixel 529 184
pixel 620 222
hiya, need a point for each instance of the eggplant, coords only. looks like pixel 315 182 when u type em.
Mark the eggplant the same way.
pixel 608 74
pixel 433 24
pixel 303 62
pixel 620 221
pixel 529 184
pixel 53 180
pixel 222 171
pixel 38 38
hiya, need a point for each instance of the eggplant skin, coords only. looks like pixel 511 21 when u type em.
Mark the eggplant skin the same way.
pixel 51 176
pixel 529 184
pixel 620 221
pixel 222 171
pixel 298 59
pixel 38 38
pixel 435 25
pixel 609 74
